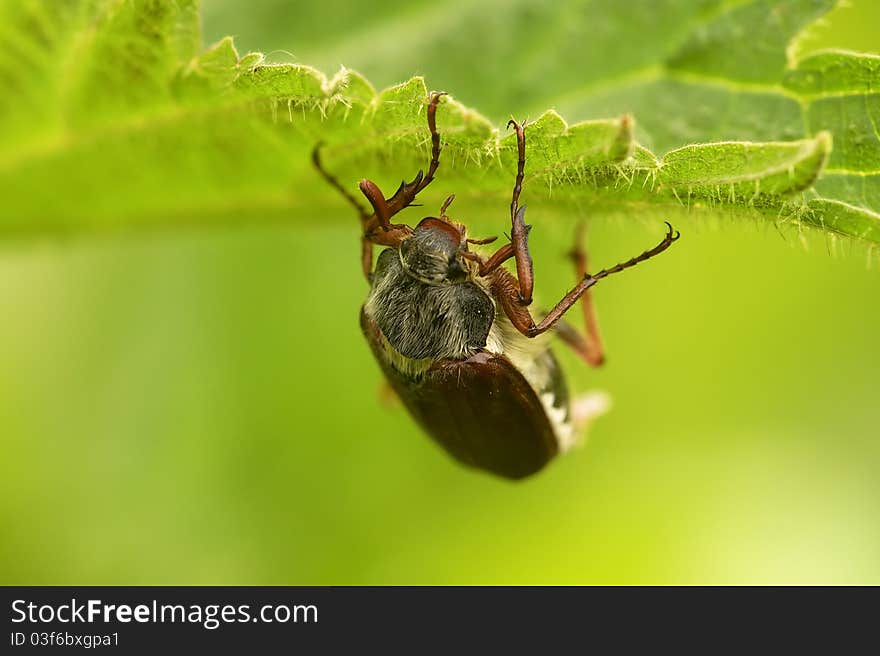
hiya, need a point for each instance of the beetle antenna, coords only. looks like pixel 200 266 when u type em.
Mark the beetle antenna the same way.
pixel 482 242
pixel 446 204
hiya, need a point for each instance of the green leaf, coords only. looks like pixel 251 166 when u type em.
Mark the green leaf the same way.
pixel 840 91
pixel 768 27
pixel 744 169
pixel 113 117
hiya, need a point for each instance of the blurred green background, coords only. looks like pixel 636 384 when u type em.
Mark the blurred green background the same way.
pixel 199 406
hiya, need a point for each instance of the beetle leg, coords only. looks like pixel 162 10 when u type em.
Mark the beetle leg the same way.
pixel 519 231
pixel 589 350
pixel 366 245
pixel 435 138
pixel 407 191
pixel 316 160
pixel 381 212
pixel 377 227
pixel 507 290
pixel 519 234
pixel 589 345
pixel 367 258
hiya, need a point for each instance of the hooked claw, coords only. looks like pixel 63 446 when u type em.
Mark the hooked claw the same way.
pixel 671 237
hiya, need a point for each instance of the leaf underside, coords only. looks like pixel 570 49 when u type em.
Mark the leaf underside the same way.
pixel 113 116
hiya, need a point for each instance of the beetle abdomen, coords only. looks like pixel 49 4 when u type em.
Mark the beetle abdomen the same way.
pixel 481 409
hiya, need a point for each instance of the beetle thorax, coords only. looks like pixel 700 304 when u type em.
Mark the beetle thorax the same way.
pixel 446 318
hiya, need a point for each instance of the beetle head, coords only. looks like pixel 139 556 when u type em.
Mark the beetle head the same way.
pixel 433 253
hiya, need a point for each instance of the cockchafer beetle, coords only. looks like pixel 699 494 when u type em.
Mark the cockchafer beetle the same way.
pixel 453 334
